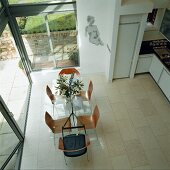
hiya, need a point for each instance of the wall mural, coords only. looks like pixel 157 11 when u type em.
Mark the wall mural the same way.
pixel 92 31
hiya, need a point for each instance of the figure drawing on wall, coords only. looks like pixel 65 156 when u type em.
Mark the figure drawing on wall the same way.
pixel 93 32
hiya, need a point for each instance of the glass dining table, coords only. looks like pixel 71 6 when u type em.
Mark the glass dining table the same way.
pixel 64 106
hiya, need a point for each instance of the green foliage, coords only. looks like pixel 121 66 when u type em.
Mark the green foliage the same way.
pixel 64 87
pixel 57 22
pixel 20 65
pixel 22 22
pixel 75 57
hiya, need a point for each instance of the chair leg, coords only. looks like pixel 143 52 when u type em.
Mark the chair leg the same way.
pixel 53 110
pixel 87 156
pixel 65 160
pixel 96 134
pixel 54 140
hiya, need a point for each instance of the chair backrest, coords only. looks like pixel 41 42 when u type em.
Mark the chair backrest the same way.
pixel 69 71
pixel 96 115
pixel 56 125
pixel 90 121
pixel 74 145
pixel 50 94
pixel 49 121
pixel 90 89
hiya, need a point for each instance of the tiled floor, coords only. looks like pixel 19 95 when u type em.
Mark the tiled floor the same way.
pixel 133 130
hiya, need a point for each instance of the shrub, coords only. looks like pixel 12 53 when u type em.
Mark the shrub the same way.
pixel 20 65
pixel 75 57
pixel 22 22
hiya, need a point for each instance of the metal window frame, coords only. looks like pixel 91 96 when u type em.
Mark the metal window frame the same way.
pixel 14 126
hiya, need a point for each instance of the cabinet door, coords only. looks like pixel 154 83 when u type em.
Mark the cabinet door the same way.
pixel 125 49
pixel 164 83
pixel 144 63
pixel 156 68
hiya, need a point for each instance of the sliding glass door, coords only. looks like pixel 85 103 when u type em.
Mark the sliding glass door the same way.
pixel 50 40
pixel 11 137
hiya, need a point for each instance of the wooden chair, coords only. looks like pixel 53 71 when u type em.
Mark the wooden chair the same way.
pixel 90 121
pixel 74 145
pixel 69 71
pixel 51 96
pixel 56 125
pixel 86 95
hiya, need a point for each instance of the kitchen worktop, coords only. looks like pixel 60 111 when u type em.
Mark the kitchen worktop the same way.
pixel 164 56
pixel 160 47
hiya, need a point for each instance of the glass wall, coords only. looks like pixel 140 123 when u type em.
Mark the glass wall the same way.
pixel 50 40
pixel 34 34
pixel 14 86
pixel 8 140
pixel 63 34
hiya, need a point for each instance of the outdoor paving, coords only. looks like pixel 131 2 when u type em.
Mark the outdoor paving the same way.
pixel 14 90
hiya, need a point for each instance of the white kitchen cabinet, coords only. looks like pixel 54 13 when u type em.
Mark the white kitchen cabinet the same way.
pixel 164 83
pixel 144 63
pixel 156 68
pixel 127 36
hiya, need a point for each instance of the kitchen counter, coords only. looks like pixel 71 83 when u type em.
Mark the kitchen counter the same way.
pixel 164 56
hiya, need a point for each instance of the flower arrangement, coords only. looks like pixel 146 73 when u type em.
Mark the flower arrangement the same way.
pixel 68 86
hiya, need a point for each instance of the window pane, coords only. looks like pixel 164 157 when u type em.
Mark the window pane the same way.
pixel 36 40
pixel 14 86
pixel 64 38
pixel 8 140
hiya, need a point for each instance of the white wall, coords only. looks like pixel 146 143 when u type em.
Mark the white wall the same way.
pixel 92 58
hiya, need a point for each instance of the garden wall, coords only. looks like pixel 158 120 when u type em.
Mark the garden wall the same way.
pixel 38 43
pixel 7 48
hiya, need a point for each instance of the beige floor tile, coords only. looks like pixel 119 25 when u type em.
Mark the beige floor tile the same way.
pixel 99 91
pixel 99 155
pixel 146 167
pixel 164 142
pixel 120 110
pixel 147 138
pixel 136 153
pixel 123 86
pixel 163 111
pixel 156 159
pixel 109 124
pixel 147 107
pixel 149 84
pixel 130 101
pixel 139 92
pixel 103 104
pixel 137 118
pixel 127 130
pixel 114 143
pixel 121 162
pixel 157 125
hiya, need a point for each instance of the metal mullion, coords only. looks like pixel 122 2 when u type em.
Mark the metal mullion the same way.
pixel 11 121
pixel 20 45
pixel 30 9
pixel 3 20
pixel 18 146
pixel 18 39
pixel 17 36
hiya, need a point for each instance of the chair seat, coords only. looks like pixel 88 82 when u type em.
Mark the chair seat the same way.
pixel 75 145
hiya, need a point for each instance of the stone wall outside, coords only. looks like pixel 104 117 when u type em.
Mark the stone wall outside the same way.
pixel 38 43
